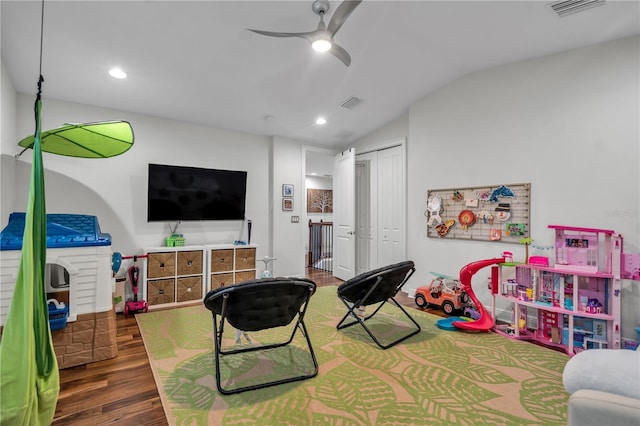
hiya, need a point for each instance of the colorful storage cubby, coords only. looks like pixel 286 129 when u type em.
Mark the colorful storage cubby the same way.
pixel 173 275
pixel 229 264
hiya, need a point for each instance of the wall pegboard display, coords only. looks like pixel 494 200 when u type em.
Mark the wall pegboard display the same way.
pixel 483 213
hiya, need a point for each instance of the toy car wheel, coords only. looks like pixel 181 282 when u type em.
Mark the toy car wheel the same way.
pixel 448 307
pixel 421 302
pixel 464 297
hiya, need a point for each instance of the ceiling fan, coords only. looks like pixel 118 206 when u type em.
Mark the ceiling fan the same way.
pixel 322 38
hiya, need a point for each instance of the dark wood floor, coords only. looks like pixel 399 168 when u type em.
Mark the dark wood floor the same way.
pixel 122 390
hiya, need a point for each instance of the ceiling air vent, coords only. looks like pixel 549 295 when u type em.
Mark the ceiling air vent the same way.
pixel 351 103
pixel 569 7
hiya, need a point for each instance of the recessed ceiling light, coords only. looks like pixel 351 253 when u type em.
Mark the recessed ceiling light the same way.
pixel 321 120
pixel 117 73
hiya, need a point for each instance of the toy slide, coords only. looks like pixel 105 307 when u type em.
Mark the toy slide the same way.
pixel 485 321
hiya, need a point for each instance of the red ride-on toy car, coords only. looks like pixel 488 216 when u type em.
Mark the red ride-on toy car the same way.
pixel 444 292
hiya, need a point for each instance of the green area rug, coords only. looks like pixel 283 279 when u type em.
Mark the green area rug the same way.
pixel 436 377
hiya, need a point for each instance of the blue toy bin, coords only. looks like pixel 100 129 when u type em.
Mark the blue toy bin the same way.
pixel 58 314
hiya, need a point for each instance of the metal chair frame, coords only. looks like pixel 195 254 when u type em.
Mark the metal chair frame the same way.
pixel 222 311
pixel 381 289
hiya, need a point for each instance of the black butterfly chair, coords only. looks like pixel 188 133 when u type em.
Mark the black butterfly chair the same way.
pixel 375 287
pixel 257 305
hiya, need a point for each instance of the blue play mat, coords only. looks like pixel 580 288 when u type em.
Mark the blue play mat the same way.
pixel 447 323
pixel 63 230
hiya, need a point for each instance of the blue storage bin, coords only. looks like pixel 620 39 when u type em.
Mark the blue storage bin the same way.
pixel 58 316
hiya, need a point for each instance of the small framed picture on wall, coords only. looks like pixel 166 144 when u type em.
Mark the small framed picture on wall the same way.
pixel 287 204
pixel 287 190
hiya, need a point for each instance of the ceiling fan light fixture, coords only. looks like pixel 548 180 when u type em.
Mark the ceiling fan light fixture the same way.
pixel 321 121
pixel 322 38
pixel 321 45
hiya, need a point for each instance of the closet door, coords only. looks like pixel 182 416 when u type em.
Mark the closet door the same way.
pixel 366 212
pixel 391 206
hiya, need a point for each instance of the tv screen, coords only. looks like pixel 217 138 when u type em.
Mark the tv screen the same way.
pixel 177 193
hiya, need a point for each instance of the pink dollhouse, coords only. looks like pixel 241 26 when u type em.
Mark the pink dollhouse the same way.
pixel 573 304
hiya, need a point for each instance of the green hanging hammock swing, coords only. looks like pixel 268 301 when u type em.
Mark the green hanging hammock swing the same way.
pixel 29 376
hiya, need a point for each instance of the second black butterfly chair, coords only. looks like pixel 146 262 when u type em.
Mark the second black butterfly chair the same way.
pixel 375 287
pixel 257 305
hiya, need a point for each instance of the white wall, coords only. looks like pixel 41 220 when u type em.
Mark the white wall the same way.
pixel 287 169
pixel 115 189
pixel 8 142
pixel 397 129
pixel 566 123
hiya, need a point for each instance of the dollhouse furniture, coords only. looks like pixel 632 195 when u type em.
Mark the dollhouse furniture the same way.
pixel 256 305
pixel 375 287
pixel 604 387
pixel 575 304
pixel 78 273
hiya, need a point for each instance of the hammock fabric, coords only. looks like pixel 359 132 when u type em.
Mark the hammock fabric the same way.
pixel 89 140
pixel 29 376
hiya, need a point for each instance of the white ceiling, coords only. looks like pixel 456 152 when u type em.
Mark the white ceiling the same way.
pixel 196 61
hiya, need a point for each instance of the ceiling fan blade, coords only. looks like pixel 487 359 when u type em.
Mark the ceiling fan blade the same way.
pixel 341 54
pixel 307 36
pixel 341 14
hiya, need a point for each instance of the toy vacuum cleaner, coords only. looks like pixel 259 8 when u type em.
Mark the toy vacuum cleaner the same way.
pixel 135 305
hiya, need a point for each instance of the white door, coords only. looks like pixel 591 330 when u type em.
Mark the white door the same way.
pixel 391 206
pixel 344 214
pixel 366 212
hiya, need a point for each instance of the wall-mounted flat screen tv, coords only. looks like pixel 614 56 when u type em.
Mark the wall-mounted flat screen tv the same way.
pixel 178 193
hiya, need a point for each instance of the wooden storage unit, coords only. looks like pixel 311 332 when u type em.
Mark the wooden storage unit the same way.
pixel 173 275
pixel 221 260
pixel 161 291
pixel 245 258
pixel 229 264
pixel 189 288
pixel 161 265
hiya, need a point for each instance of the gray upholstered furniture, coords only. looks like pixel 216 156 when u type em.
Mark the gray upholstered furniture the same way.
pixel 605 387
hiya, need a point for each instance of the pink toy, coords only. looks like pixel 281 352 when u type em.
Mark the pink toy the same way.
pixel 539 260
pixel 135 305
pixel 485 322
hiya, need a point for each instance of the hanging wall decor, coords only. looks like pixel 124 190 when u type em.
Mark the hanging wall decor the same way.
pixel 287 204
pixel 497 213
pixel 287 190
pixel 319 201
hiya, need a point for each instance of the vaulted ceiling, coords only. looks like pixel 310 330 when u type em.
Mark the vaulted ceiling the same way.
pixel 197 62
